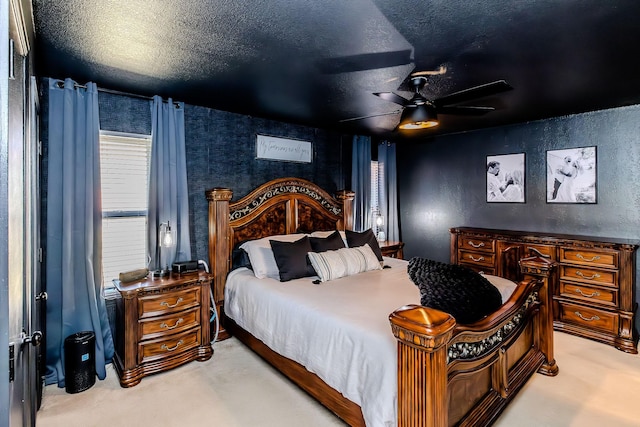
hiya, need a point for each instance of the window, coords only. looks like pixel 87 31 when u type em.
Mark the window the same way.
pixel 378 199
pixel 377 185
pixel 375 205
pixel 124 165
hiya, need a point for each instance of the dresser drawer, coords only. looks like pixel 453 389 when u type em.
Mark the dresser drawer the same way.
pixel 590 275
pixel 588 317
pixel 152 327
pixel 167 347
pixel 170 302
pixel 476 259
pixel 546 251
pixel 476 244
pixel 607 297
pixel 589 257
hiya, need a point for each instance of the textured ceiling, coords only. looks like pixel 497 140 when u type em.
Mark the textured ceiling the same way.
pixel 317 62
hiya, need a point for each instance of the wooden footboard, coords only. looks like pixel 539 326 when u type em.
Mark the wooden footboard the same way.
pixel 452 374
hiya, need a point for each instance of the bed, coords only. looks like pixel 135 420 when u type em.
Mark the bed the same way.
pixel 415 365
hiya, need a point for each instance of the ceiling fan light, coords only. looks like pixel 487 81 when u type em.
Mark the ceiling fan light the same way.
pixel 418 117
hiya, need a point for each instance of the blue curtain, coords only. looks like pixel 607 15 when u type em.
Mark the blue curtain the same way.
pixel 74 227
pixel 361 182
pixel 388 189
pixel 168 193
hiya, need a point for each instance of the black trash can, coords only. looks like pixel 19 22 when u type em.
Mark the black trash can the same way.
pixel 79 361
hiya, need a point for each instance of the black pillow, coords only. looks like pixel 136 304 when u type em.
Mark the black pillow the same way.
pixel 291 258
pixel 355 239
pixel 454 289
pixel 332 242
pixel 239 258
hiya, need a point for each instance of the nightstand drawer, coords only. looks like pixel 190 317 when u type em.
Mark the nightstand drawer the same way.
pixel 476 258
pixel 167 347
pixel 589 275
pixel 588 293
pixel 589 257
pixel 588 317
pixel 476 244
pixel 156 305
pixel 173 323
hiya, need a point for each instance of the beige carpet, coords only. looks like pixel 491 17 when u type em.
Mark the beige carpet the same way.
pixel 597 386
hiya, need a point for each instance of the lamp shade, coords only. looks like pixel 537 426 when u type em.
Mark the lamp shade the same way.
pixel 419 116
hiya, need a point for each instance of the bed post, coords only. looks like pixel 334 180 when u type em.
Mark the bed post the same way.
pixel 346 197
pixel 219 250
pixel 542 269
pixel 422 334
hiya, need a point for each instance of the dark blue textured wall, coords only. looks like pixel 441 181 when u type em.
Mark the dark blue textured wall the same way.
pixel 221 153
pixel 442 181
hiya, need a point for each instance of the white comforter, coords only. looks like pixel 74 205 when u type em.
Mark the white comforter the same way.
pixel 338 330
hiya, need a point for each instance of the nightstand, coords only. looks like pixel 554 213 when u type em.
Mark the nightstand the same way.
pixel 391 249
pixel 161 324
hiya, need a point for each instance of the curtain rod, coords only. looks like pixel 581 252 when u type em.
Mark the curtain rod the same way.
pixel 60 84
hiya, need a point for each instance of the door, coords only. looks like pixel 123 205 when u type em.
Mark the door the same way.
pixel 22 204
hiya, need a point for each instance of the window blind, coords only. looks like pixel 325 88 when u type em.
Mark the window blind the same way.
pixel 124 165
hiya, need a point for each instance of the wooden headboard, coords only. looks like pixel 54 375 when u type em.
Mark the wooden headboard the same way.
pixel 281 206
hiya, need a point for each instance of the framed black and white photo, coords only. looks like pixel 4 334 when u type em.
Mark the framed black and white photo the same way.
pixel 505 178
pixel 571 175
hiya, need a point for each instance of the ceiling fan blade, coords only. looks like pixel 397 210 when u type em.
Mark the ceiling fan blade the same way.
pixel 369 116
pixel 473 93
pixel 365 61
pixel 465 110
pixel 392 97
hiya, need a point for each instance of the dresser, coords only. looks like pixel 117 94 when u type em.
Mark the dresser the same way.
pixel 594 285
pixel 160 324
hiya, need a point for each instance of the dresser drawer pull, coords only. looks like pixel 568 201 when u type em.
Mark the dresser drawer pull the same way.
pixel 594 294
pixel 595 258
pixel 164 325
pixel 166 304
pixel 178 344
pixel 593 276
pixel 592 318
pixel 476 259
pixel 476 245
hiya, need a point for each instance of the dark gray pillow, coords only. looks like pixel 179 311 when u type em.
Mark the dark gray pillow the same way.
pixel 355 239
pixel 332 242
pixel 454 289
pixel 291 258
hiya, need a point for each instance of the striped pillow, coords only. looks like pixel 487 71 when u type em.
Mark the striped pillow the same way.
pixel 331 265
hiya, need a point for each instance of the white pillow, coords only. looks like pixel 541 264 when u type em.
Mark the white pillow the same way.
pixel 331 265
pixel 261 256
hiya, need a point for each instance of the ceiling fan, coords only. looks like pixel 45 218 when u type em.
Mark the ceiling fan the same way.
pixel 421 113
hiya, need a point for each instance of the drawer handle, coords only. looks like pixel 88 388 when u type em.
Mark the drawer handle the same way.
pixel 178 344
pixel 594 294
pixel 594 258
pixel 593 276
pixel 166 304
pixel 476 245
pixel 476 259
pixel 592 318
pixel 164 325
